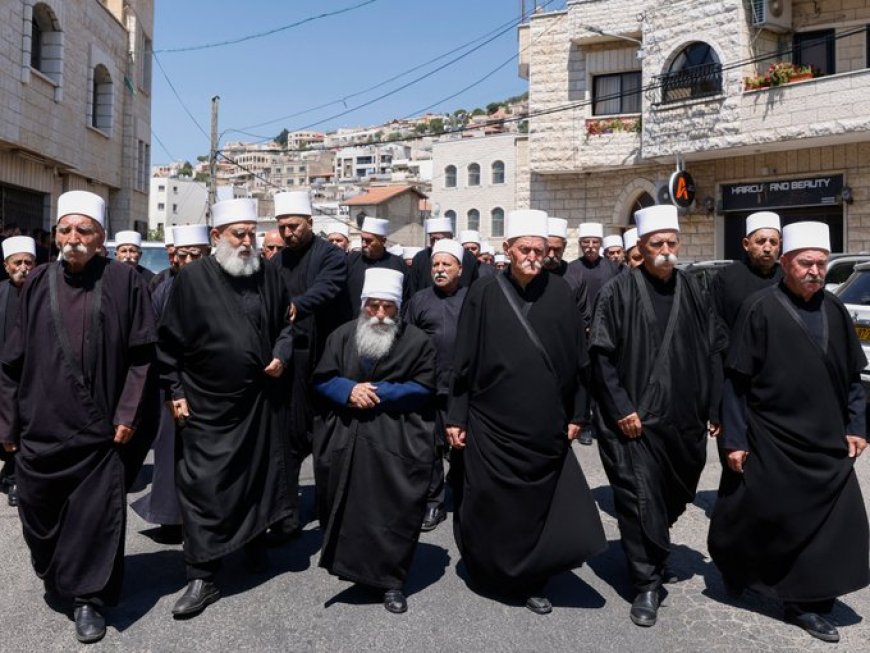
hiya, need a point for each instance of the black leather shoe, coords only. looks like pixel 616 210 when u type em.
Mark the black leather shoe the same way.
pixel 12 497
pixel 815 624
pixel 539 605
pixel 645 609
pixel 586 436
pixel 434 516
pixel 199 594
pixel 395 602
pixel 90 625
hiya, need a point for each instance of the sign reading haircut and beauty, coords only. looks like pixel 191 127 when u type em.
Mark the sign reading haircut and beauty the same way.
pixel 782 193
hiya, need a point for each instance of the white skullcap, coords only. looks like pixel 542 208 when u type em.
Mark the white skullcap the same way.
pixel 526 222
pixel 469 236
pixel 376 226
pixel 189 235
pixel 439 225
pixel 82 202
pixel 611 241
pixel 18 245
pixel 762 220
pixel 128 238
pixel 294 202
pixel 501 258
pixel 168 236
pixel 410 252
pixel 661 217
pixel 590 230
pixel 455 249
pixel 487 249
pixel 337 228
pixel 557 227
pixel 355 243
pixel 396 250
pixel 806 235
pixel 227 212
pixel 629 239
pixel 383 283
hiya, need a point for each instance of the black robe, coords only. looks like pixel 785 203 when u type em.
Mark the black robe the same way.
pixel 523 508
pixel 216 335
pixel 8 314
pixel 734 283
pixel 595 274
pixel 577 281
pixel 420 276
pixel 793 525
pixel 374 466
pixel 662 365
pixel 75 366
pixel 147 274
pixel 357 264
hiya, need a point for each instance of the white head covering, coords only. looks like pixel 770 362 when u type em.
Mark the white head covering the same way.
pixel 168 236
pixel 557 227
pixel 337 228
pixel 376 226
pixel 128 238
pixel 526 222
pixel 611 241
pixel 806 235
pixel 661 217
pixel 590 230
pixel 410 252
pixel 18 245
pixel 762 220
pixel 500 258
pixel 396 250
pixel 629 239
pixel 383 283
pixel 82 202
pixel 449 246
pixel 469 236
pixel 487 249
pixel 231 211
pixel 189 235
pixel 439 225
pixel 355 243
pixel 294 202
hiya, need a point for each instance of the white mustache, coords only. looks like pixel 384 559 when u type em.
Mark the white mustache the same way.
pixel 531 265
pixel 440 275
pixel 665 260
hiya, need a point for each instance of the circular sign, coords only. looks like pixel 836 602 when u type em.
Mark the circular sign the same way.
pixel 682 189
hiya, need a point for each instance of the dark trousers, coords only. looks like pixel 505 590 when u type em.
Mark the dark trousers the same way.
pixel 818 607
pixel 435 495
pixel 206 570
pixel 7 475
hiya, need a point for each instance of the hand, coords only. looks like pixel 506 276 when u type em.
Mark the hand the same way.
pixel 456 437
pixel 179 409
pixel 857 444
pixel 574 431
pixel 715 430
pixel 123 434
pixel 10 447
pixel 630 426
pixel 292 312
pixel 275 368
pixel 364 395
pixel 736 460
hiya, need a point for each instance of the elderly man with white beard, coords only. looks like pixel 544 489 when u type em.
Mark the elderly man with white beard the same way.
pixel 374 434
pixel 224 343
pixel 654 344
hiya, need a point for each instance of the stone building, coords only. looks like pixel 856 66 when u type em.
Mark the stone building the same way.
pixel 75 108
pixel 399 204
pixel 621 92
pixel 175 201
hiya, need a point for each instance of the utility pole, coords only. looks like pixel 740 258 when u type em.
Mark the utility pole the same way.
pixel 212 156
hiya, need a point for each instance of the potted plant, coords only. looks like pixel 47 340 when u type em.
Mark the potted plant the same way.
pixel 779 73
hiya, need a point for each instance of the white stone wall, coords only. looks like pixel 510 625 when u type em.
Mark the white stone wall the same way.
pixel 183 201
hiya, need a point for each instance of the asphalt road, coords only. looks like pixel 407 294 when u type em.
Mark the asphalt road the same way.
pixel 297 606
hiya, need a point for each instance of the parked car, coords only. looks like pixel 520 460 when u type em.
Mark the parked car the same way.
pixel 153 255
pixel 855 295
pixel 840 266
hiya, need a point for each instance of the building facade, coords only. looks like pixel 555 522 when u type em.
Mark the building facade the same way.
pixel 75 108
pixel 175 201
pixel 766 103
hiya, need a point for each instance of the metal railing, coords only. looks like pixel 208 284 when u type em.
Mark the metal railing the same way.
pixel 691 83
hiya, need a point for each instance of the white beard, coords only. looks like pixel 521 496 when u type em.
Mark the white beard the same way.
pixel 233 263
pixel 374 338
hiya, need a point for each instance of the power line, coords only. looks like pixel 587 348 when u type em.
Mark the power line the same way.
pixel 165 149
pixel 276 30
pixel 178 97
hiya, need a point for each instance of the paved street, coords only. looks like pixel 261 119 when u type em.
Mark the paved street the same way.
pixel 298 606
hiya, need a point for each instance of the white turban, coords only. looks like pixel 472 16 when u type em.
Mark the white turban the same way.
pixel 82 202
pixel 383 283
pixel 806 235
pixel 231 211
pixel 18 245
pixel 449 246
pixel 661 217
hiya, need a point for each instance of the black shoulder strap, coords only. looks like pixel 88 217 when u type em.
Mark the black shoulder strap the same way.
pixel 504 285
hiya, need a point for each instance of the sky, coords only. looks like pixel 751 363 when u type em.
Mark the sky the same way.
pixel 321 63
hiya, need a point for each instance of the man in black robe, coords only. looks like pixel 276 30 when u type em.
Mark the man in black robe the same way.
pixel 374 254
pixel 72 395
pixel 523 511
pixel 554 263
pixel 591 266
pixel 338 234
pixel 654 342
pixel 633 257
pixel 225 342
pixel 169 272
pixel 790 520
pixel 19 256
pixel 315 274
pixel 421 265
pixel 435 310
pixel 128 249
pixel 375 441
pixel 612 248
pixel 759 269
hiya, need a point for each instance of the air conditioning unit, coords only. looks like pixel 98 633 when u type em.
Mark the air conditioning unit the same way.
pixel 773 15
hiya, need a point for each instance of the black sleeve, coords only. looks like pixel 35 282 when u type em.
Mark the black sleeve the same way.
pixel 735 420
pixel 857 408
pixel 610 393
pixel 331 278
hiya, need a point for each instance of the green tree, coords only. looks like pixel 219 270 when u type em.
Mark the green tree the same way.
pixel 186 170
pixel 478 112
pixel 202 158
pixel 281 138
pixel 420 128
pixel 436 126
pixel 492 107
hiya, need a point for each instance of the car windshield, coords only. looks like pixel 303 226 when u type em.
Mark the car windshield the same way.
pixel 856 290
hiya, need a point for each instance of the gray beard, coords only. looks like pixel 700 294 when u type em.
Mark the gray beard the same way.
pixel 234 265
pixel 374 339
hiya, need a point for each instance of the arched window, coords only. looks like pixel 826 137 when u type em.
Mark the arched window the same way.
pixel 450 177
pixel 498 172
pixel 643 200
pixel 451 215
pixel 101 99
pixel 46 43
pixel 474 175
pixel 496 217
pixel 474 220
pixel 694 73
